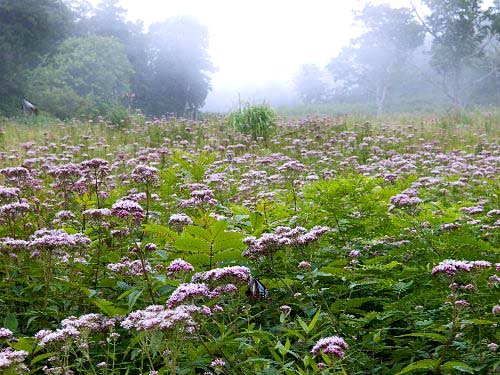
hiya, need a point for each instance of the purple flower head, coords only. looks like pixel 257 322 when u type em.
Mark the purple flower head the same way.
pixel 188 291
pixel 269 243
pixel 450 267
pixel 404 200
pixel 146 175
pixel 12 360
pixel 333 345
pixel 133 268
pixel 9 193
pixel 5 333
pixel 57 241
pixel 198 198
pixel 179 220
pixel 218 363
pixel 125 209
pixel 235 274
pixel 156 317
pixel 179 266
pixel 304 265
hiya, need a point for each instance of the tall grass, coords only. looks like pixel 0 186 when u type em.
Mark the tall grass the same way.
pixel 259 121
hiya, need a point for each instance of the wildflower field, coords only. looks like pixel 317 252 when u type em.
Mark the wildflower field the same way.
pixel 333 246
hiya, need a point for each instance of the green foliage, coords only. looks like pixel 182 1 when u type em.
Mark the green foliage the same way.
pixel 368 279
pixel 29 29
pixel 82 78
pixel 259 121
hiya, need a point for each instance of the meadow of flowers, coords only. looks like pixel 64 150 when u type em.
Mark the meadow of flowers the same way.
pixel 338 246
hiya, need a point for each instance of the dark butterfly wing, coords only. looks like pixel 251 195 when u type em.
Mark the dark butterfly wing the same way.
pixel 256 289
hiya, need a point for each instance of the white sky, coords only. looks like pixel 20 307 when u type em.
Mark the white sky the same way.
pixel 256 42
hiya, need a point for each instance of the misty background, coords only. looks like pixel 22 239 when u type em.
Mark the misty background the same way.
pixel 88 58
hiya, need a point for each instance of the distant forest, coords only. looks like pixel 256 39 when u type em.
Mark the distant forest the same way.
pixel 73 59
pixel 450 55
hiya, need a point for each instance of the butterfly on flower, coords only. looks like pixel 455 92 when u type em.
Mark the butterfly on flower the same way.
pixel 257 290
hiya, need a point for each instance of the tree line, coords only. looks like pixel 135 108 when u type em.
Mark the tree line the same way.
pixel 447 54
pixel 72 59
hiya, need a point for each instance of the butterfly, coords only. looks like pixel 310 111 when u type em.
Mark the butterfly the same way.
pixel 256 289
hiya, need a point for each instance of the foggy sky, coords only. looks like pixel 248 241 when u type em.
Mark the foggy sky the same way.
pixel 261 43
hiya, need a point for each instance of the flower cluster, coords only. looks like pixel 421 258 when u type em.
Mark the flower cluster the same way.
pixel 450 267
pixel 179 220
pixel 178 266
pixel 13 360
pixel 333 345
pixel 73 327
pixel 408 198
pixel 157 317
pixel 9 193
pixel 269 243
pixel 198 198
pixel 234 274
pixel 125 208
pixel 57 241
pixel 189 291
pixel 5 333
pixel 143 174
pixel 127 267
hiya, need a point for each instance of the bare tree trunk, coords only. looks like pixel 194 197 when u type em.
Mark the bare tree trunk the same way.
pixel 381 95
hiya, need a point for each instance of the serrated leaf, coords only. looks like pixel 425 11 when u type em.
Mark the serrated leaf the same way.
pixel 256 220
pixel 41 357
pixel 25 343
pixel 109 308
pixel 161 231
pixel 429 335
pixel 132 298
pixel 314 320
pixel 228 255
pixel 424 364
pixel 302 324
pixel 197 232
pixel 459 366
pixel 10 322
pixel 192 245
pixel 228 241
pixel 217 229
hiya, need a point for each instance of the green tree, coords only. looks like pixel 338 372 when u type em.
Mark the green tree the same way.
pixel 179 67
pixel 375 62
pixel 85 75
pixel 461 31
pixel 29 29
pixel 108 19
pixel 311 83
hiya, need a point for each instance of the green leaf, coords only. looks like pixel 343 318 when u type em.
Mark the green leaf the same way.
pixel 41 357
pixel 197 232
pixel 314 320
pixel 191 244
pixel 218 228
pixel 228 255
pixel 303 324
pixel 459 366
pixel 424 364
pixel 228 240
pixel 109 308
pixel 161 231
pixel 429 335
pixel 25 343
pixel 257 220
pixel 479 322
pixel 10 322
pixel 132 298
